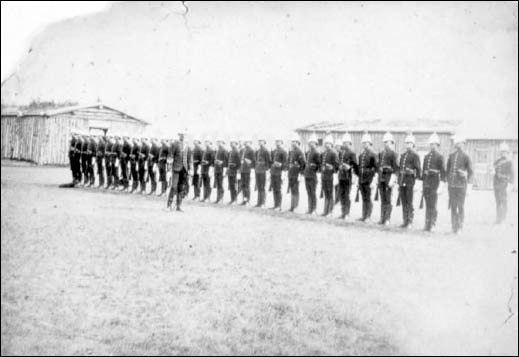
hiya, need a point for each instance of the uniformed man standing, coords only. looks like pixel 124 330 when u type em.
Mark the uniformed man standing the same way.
pixel 126 150
pixel 220 163
pixel 197 161
pixel 134 158
pixel 347 165
pixel 262 163
pixel 153 160
pixel 116 157
pixel 279 163
pixel 296 167
pixel 387 172
pixel 329 166
pixel 408 172
pixel 459 179
pixel 433 173
pixel 72 145
pixel 313 165
pixel 108 160
pixel 503 181
pixel 85 162
pixel 180 153
pixel 366 172
pixel 77 157
pixel 207 162
pixel 100 155
pixel 233 166
pixel 247 162
pixel 163 156
pixel 143 164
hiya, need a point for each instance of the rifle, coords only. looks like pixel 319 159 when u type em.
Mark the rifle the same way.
pixel 357 194
pixel 288 187
pixel 322 191
pixel 376 192
pixel 421 200
pixel 399 199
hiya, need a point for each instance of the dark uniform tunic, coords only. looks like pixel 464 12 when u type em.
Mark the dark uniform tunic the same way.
pixel 197 161
pixel 262 165
pixel 181 156
pixel 365 171
pixel 134 157
pixel 459 174
pixel 220 163
pixel 126 150
pixel 387 166
pixel 313 165
pixel 143 159
pixel 279 163
pixel 207 162
pixel 432 173
pixel 233 165
pixel 116 154
pixel 329 166
pixel 504 175
pixel 248 158
pixel 153 159
pixel 296 166
pixel 84 160
pixel 347 166
pixel 408 172
pixel 108 162
pixel 100 155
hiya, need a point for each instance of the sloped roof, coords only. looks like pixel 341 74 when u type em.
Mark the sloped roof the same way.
pixel 394 125
pixel 64 110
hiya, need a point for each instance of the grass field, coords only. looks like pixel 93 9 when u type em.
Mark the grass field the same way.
pixel 94 272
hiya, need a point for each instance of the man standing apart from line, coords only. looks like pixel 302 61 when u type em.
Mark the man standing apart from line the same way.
pixel 180 154
pixel 503 181
pixel 459 180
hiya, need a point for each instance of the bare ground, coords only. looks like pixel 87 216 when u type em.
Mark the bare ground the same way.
pixel 91 272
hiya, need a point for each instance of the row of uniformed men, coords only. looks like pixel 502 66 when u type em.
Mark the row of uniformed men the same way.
pixel 386 168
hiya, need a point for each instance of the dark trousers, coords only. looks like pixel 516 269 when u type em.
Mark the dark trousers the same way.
pixel 311 185
pixel 142 174
pixel 232 187
pixel 178 182
pixel 386 207
pixel 327 187
pixel 261 178
pixel 430 195
pixel 245 186
pixel 108 170
pixel 135 174
pixel 196 184
pixel 218 181
pixel 367 205
pixel 84 167
pixel 76 159
pixel 124 171
pixel 162 170
pixel 275 181
pixel 406 198
pixel 151 174
pixel 344 196
pixel 501 201
pixel 206 182
pixel 100 169
pixel 115 173
pixel 293 184
pixel 457 205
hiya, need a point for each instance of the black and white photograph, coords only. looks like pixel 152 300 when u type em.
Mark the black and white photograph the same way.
pixel 259 178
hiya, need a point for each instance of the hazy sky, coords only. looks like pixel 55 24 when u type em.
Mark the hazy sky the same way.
pixel 270 66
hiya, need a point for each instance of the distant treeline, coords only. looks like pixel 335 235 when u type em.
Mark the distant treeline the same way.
pixel 37 104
